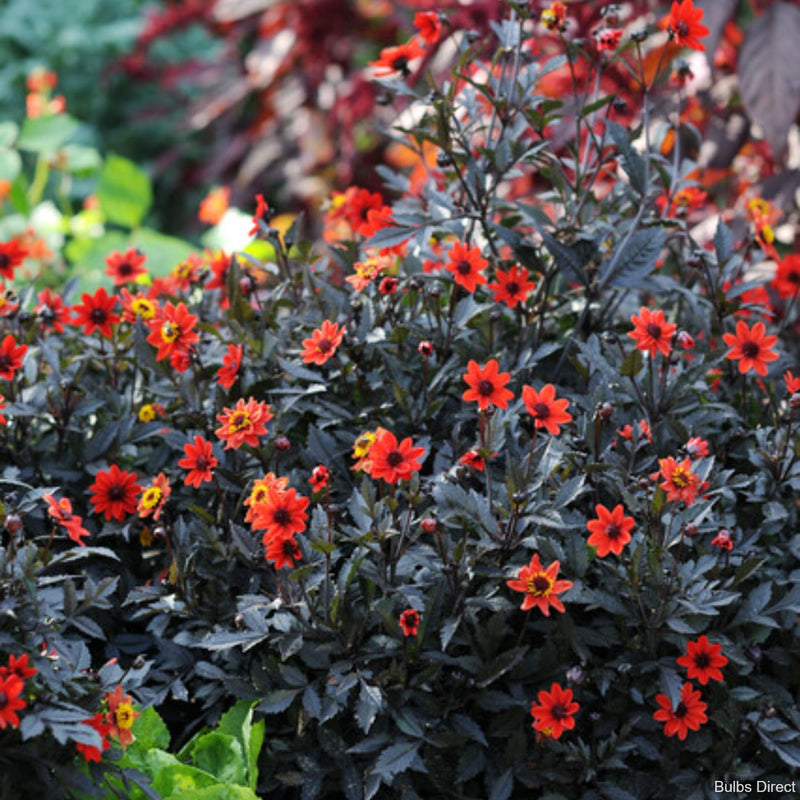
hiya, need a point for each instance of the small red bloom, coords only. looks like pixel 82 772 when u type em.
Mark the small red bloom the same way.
pixel 409 622
pixel 689 714
pixel 51 310
pixel 540 586
pixel 428 26
pixel 750 347
pixel 282 551
pixel 120 716
pixel 199 460
pixel 679 482
pixel 11 256
pixel 232 360
pixel 61 512
pixel 282 513
pixel 3 420
pixel 696 448
pixel 545 409
pixel 153 499
pixel 608 39
pixel 172 330
pixel 214 205
pixel 319 478
pixel 787 276
pixel 11 355
pixel 554 17
pixel 472 458
pixel 244 423
pixel 395 59
pixel 323 343
pixel 555 711
pixel 11 687
pixel 96 313
pixel 511 287
pixel 792 383
pixel 487 385
pixel 723 539
pixel 262 208
pixel 466 265
pixel 88 751
pixel 18 666
pixel 392 461
pixel 114 493
pixel 388 286
pixel 425 348
pixel 261 488
pixel 125 267
pixel 684 26
pixel 611 531
pixel 652 332
pixel 703 660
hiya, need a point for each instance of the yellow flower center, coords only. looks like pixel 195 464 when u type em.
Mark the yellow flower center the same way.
pixel 239 421
pixel 540 584
pixel 680 478
pixel 147 413
pixel 125 716
pixel 143 309
pixel 767 234
pixel 151 497
pixel 169 332
pixel 363 444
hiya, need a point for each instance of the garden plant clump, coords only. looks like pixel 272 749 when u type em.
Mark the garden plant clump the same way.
pixel 487 490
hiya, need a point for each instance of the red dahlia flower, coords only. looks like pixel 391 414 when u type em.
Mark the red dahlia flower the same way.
pixel 652 332
pixel 540 586
pixel 466 265
pixel 61 512
pixel 409 622
pixel 555 712
pixel 611 531
pixel 282 551
pixel 11 687
pixel 88 751
pixel 18 666
pixel 511 287
pixel 395 59
pixel 96 312
pixel 684 26
pixel 750 347
pixel 282 513
pixel 244 423
pixel 688 715
pixel 679 482
pixel 323 343
pixel 392 461
pixel 12 254
pixel 153 499
pixel 703 660
pixel 229 371
pixel 125 267
pixel 199 460
pixel 487 385
pixel 548 412
pixel 114 493
pixel 11 355
pixel 172 330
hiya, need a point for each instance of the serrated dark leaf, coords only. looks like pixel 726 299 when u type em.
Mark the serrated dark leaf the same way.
pixel 503 786
pixel 632 162
pixel 630 266
pixel 769 72
pixel 723 242
pixel 395 759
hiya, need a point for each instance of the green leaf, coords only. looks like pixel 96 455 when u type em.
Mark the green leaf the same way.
pixel 238 722
pixel 8 133
pixel 181 780
pixel 124 192
pixel 46 134
pixel 220 755
pixel 10 164
pixel 633 363
pixel 150 730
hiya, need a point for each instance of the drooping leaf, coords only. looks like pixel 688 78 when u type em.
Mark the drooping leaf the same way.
pixel 769 72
